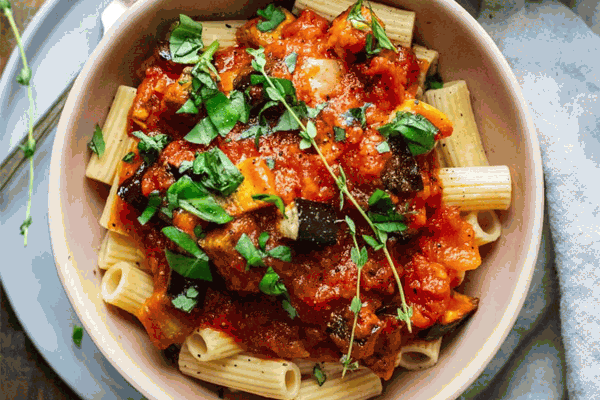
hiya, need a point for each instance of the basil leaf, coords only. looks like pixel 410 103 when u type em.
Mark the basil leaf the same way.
pixel 203 133
pixel 273 17
pixel 186 301
pixel 222 113
pixel 186 40
pixel 185 166
pixel 128 158
pixel 184 241
pixel 357 114
pixel 271 283
pixel 189 267
pixel 285 86
pixel 383 147
pixel 313 112
pixel 319 375
pixel 355 305
pixel 150 146
pixel 77 335
pixel 154 201
pixel 271 198
pixel 282 253
pixel 262 240
pixel 416 130
pixel 185 188
pixel 198 232
pixel 96 144
pixel 339 134
pixel 381 199
pixel 239 104
pixel 379 33
pixel 189 107
pixel 270 162
pixel 372 48
pixel 253 256
pixel 207 209
pixel 287 306
pixel 290 61
pixel 217 172
pixel 434 82
pixel 355 13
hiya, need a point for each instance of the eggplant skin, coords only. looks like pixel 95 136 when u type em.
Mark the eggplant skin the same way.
pixel 131 189
pixel 401 172
pixel 316 222
pixel 438 329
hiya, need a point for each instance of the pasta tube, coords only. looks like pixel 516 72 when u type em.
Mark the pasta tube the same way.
pixel 419 354
pixel 116 248
pixel 126 287
pixel 268 378
pixel 222 31
pixel 207 344
pixel 117 142
pixel 355 385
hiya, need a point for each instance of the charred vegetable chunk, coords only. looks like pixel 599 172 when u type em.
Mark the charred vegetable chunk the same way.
pixel 310 221
pixel 131 189
pixel 401 173
pixel 464 307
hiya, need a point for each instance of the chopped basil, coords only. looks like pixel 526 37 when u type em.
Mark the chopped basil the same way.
pixel 282 253
pixel 357 20
pixel 319 374
pixel 96 144
pixel 183 240
pixel 271 285
pixel 223 114
pixel 198 231
pixel 154 201
pixel 150 146
pixel 217 172
pixel 383 147
pixel 189 267
pixel 379 33
pixel 271 198
pixel 357 114
pixel 416 130
pixel 203 133
pixel 273 17
pixel 434 82
pixel 372 48
pixel 270 162
pixel 186 301
pixel 185 166
pixel 186 40
pixel 339 134
pixel 207 209
pixel 290 61
pixel 189 107
pixel 285 87
pixel 262 240
pixel 128 158
pixel 287 122
pixel 77 335
pixel 239 104
pixel 383 213
pixel 185 188
pixel 253 256
pixel 313 112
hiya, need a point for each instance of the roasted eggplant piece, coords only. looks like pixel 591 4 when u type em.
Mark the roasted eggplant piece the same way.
pixel 310 221
pixel 131 189
pixel 453 318
pixel 401 172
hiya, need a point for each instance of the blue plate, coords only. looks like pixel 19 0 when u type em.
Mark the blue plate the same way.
pixel 58 41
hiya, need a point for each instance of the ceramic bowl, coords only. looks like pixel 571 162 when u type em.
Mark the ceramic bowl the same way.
pixel 509 137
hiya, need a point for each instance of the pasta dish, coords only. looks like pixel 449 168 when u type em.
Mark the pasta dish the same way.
pixel 295 200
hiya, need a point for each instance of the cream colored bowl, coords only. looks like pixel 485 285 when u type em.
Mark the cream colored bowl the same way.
pixel 508 135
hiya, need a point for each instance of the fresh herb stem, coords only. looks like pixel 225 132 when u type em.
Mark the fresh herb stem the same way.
pixel 30 147
pixel 355 314
pixel 350 197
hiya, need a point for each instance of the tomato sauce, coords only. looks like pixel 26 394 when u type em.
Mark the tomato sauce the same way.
pixel 321 281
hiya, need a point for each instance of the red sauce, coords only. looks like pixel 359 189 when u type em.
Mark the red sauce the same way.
pixel 321 282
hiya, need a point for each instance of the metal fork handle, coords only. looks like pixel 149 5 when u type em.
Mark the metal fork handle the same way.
pixel 45 124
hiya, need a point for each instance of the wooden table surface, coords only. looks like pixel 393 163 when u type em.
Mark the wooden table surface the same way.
pixel 24 374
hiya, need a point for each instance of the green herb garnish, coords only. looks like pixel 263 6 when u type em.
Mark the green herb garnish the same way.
pixel 290 61
pixel 253 256
pixel 273 199
pixel 189 267
pixel 383 147
pixel 273 17
pixel 217 172
pixel 319 374
pixel 128 158
pixel 77 335
pixel 150 146
pixel 416 130
pixel 186 41
pixel 203 133
pixel 186 301
pixel 97 144
pixel 339 134
pixel 272 285
pixel 206 208
pixel 154 201
pixel 434 82
pixel 357 115
pixel 24 78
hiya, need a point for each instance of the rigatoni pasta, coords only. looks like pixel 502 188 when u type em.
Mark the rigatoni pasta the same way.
pixel 207 344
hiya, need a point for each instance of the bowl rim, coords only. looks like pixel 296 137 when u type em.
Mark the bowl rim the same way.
pixel 149 388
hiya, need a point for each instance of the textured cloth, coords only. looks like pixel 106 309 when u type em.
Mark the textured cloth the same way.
pixel 555 57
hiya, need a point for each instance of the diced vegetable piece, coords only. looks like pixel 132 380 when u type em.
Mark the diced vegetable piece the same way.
pixel 401 173
pixel 310 221
pixel 463 307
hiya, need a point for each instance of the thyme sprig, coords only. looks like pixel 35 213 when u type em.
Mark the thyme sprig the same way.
pixel 24 79
pixel 308 132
